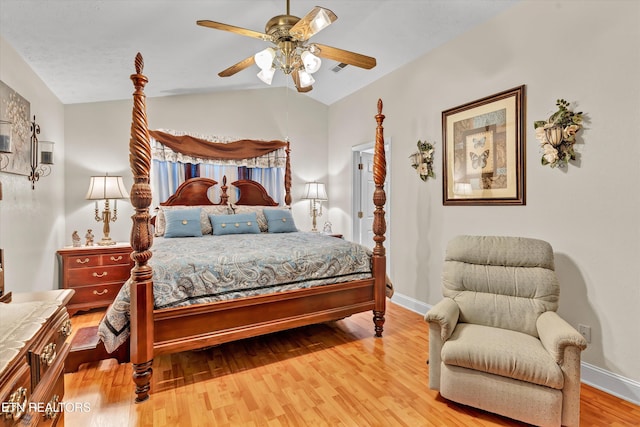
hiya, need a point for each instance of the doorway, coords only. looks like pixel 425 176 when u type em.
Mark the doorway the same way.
pixel 363 188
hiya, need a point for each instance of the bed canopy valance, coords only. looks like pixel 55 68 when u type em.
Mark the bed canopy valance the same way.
pixel 243 152
pixel 202 148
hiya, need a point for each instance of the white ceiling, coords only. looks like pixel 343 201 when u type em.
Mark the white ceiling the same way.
pixel 84 49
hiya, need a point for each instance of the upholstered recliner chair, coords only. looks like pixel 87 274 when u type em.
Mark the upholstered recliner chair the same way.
pixel 495 340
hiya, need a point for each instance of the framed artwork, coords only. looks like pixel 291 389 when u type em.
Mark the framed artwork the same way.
pixel 15 134
pixel 484 151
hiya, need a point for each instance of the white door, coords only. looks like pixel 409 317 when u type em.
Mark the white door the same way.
pixel 367 187
pixel 363 188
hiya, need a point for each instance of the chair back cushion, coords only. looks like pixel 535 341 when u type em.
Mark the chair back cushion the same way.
pixel 501 281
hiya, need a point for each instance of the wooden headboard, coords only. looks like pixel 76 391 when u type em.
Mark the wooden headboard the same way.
pixel 194 192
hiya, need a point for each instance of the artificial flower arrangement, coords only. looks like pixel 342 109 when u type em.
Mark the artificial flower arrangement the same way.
pixel 558 134
pixel 422 160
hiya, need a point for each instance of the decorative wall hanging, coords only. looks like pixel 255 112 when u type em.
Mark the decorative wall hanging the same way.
pixel 422 160
pixel 558 134
pixel 483 151
pixel 15 138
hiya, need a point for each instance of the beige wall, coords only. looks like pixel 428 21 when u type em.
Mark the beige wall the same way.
pixel 587 53
pixel 32 221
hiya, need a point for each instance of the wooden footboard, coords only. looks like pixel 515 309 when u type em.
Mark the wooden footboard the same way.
pixel 184 328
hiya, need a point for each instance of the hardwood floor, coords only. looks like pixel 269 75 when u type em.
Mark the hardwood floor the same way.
pixel 332 374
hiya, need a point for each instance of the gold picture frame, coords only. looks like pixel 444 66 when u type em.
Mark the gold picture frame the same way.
pixel 484 151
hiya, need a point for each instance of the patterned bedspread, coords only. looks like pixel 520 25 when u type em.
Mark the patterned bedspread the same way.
pixel 214 268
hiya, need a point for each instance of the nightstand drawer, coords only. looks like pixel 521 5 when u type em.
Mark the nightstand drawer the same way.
pixel 84 261
pixel 98 295
pixel 100 274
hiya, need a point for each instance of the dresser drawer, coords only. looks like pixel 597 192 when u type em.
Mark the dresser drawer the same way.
pixel 15 394
pixel 46 352
pixel 46 408
pixel 100 274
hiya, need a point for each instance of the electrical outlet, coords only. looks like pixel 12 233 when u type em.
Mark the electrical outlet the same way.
pixel 585 331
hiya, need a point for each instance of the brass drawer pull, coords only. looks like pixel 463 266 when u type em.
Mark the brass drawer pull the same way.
pixel 66 328
pixel 114 259
pixel 16 405
pixel 48 354
pixel 82 261
pixel 102 292
pixel 50 412
pixel 99 275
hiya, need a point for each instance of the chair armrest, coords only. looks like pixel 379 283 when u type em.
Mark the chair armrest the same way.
pixel 445 313
pixel 556 335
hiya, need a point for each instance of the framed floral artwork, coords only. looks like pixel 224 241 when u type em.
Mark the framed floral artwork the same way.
pixel 15 142
pixel 484 151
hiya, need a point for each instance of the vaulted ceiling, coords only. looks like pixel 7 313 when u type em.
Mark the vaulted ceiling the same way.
pixel 84 49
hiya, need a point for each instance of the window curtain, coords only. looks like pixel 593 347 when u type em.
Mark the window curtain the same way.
pixel 171 168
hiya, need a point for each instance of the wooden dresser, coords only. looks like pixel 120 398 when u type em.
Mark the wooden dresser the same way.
pixel 33 348
pixel 96 273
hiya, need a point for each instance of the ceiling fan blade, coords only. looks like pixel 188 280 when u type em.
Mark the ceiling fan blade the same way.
pixel 345 56
pixel 233 29
pixel 245 63
pixel 296 81
pixel 312 23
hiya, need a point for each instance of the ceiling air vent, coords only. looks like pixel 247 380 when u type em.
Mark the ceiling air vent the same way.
pixel 339 67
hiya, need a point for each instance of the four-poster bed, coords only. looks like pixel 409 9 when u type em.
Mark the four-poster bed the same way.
pixel 155 331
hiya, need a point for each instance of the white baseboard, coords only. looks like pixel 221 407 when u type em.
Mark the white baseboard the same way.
pixel 604 380
pixel 611 383
pixel 410 303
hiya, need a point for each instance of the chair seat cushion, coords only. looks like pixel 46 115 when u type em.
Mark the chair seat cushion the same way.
pixel 502 352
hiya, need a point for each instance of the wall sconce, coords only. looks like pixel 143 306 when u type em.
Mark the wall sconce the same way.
pixel 316 193
pixel 5 142
pixel 42 150
pixel 106 188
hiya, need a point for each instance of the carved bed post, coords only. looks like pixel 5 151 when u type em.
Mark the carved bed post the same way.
pixel 287 176
pixel 379 224
pixel 141 284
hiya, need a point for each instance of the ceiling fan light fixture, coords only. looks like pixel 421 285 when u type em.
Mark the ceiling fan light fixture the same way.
pixel 264 59
pixel 266 75
pixel 306 79
pixel 311 62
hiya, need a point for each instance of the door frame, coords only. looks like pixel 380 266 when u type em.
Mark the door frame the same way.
pixel 357 187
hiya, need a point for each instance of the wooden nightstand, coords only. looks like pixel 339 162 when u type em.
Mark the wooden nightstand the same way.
pixel 96 273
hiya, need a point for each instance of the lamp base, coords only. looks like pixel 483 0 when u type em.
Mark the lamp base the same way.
pixel 106 241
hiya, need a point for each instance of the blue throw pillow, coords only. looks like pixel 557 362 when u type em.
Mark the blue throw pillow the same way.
pixel 246 223
pixel 280 221
pixel 183 223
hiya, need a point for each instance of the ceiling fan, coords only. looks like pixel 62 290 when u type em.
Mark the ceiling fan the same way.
pixel 291 51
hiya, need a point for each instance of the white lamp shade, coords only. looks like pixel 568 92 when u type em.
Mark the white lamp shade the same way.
pixel 264 58
pixel 266 75
pixel 315 190
pixel 106 187
pixel 311 62
pixel 306 79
